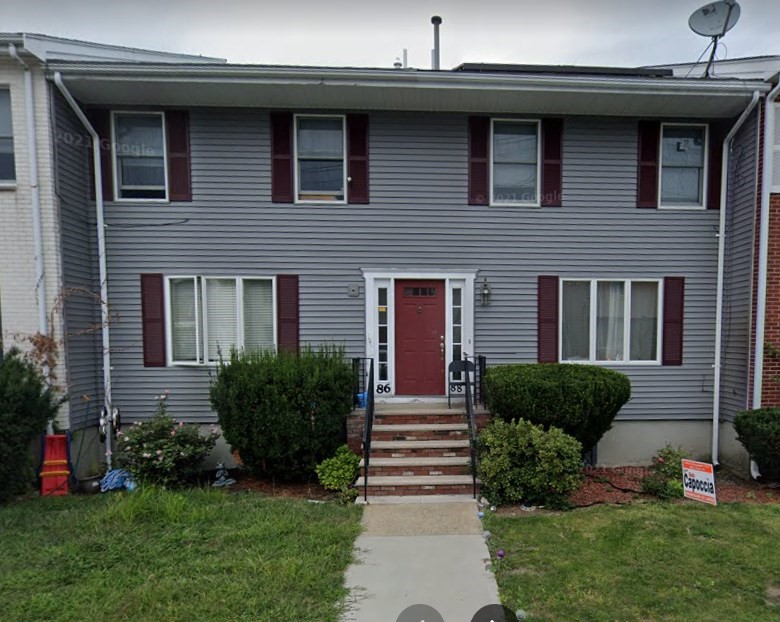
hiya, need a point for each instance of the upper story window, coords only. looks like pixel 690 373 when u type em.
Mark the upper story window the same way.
pixel 776 152
pixel 207 316
pixel 7 168
pixel 515 162
pixel 320 159
pixel 140 163
pixel 610 321
pixel 683 165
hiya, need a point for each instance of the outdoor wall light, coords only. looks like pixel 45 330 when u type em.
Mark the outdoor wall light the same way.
pixel 484 293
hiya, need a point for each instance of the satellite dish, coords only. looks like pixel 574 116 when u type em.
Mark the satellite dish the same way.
pixel 716 19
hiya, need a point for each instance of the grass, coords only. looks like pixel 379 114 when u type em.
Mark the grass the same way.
pixel 165 556
pixel 670 562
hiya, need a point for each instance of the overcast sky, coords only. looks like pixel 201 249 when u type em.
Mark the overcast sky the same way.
pixel 374 33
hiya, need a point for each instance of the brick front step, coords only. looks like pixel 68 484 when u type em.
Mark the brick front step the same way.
pixel 420 449
pixel 392 418
pixel 418 485
pixel 420 431
pixel 379 467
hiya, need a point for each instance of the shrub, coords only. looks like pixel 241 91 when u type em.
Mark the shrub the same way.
pixel 162 452
pixel 665 477
pixel 339 473
pixel 581 400
pixel 523 462
pixel 26 406
pixel 284 412
pixel 759 431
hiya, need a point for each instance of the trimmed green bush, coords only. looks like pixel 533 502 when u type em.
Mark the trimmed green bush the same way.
pixel 759 431
pixel 27 405
pixel 581 400
pixel 339 473
pixel 162 452
pixel 284 412
pixel 523 462
pixel 665 477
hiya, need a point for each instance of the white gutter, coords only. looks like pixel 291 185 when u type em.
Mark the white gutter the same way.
pixel 763 246
pixel 101 236
pixel 35 198
pixel 724 183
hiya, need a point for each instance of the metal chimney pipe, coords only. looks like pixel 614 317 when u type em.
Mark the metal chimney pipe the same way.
pixel 435 59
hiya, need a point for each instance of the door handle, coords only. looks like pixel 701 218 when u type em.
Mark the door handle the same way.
pixel 441 346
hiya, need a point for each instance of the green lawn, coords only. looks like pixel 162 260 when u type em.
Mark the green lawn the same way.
pixel 190 556
pixel 649 562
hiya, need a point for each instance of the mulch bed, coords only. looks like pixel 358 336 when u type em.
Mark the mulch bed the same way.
pixel 306 490
pixel 621 485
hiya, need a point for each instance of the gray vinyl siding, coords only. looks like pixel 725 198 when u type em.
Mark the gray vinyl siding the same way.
pixel 740 236
pixel 79 265
pixel 418 219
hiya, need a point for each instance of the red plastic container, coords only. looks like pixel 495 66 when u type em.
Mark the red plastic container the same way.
pixel 55 473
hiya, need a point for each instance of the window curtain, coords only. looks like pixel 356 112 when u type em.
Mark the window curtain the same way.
pixel 644 321
pixel 221 318
pixel 183 320
pixel 610 321
pixel 258 315
pixel 576 321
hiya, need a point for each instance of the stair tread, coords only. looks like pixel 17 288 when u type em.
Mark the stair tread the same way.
pixel 416 480
pixel 418 427
pixel 418 444
pixel 401 462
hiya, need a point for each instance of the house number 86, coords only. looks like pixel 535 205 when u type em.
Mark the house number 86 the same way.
pixel 383 388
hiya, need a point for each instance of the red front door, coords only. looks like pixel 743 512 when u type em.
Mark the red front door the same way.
pixel 419 337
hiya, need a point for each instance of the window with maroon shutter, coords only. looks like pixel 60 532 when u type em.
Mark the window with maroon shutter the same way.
pixel 153 319
pixel 357 156
pixel 674 312
pixel 717 132
pixel 287 315
pixel 101 122
pixel 547 319
pixel 479 167
pixel 281 157
pixel 647 166
pixel 177 124
pixel 552 162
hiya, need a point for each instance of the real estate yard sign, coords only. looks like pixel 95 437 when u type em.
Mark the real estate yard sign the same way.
pixel 699 481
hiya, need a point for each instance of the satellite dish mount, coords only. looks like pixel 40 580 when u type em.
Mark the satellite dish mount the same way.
pixel 714 20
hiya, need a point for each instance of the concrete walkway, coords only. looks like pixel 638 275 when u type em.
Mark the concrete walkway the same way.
pixel 420 554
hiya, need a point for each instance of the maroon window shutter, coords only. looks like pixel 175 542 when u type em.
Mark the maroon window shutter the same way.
pixel 177 123
pixel 552 157
pixel 547 316
pixel 101 121
pixel 357 158
pixel 153 319
pixel 716 136
pixel 479 167
pixel 647 170
pixel 281 157
pixel 287 312
pixel 674 303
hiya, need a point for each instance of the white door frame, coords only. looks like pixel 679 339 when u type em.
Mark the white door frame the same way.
pixel 387 278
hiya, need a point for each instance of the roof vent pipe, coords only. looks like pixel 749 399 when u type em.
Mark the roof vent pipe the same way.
pixel 435 64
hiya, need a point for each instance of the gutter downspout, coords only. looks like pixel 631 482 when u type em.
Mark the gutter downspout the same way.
pixel 763 246
pixel 101 237
pixel 724 176
pixel 35 198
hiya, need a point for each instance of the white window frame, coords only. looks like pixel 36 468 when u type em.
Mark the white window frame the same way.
pixel 705 168
pixel 593 320
pixel 537 202
pixel 115 168
pixel 201 316
pixel 10 183
pixel 296 175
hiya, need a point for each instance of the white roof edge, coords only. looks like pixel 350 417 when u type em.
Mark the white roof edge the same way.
pixel 49 48
pixel 390 77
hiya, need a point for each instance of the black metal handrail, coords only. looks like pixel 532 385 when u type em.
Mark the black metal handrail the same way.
pixel 367 426
pixel 472 424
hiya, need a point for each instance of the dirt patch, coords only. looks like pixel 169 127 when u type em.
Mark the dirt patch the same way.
pixel 773 595
pixel 271 488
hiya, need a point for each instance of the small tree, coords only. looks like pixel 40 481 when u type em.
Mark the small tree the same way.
pixel 27 405
pixel 759 431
